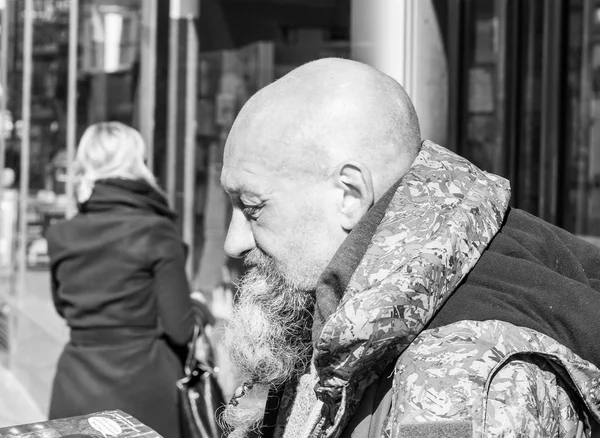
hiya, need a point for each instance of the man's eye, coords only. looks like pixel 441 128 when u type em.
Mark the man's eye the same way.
pixel 251 211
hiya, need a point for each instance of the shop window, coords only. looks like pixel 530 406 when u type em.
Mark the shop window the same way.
pixel 511 103
pixel 482 72
pixel 110 37
pixel 582 188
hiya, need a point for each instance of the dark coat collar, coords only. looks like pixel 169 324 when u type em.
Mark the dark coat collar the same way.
pixel 114 193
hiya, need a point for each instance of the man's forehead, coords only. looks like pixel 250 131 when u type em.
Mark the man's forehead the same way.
pixel 259 147
pixel 248 154
pixel 242 146
pixel 268 138
pixel 253 137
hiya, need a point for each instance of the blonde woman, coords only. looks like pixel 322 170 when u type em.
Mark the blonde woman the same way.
pixel 118 279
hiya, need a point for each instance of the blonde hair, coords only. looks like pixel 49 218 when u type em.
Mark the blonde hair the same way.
pixel 110 150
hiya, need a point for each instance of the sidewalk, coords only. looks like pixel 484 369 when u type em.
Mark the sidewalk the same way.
pixel 39 338
pixel 16 406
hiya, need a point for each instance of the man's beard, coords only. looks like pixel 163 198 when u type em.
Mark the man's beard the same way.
pixel 269 335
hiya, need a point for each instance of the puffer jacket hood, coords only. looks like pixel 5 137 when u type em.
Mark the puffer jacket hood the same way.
pixel 442 217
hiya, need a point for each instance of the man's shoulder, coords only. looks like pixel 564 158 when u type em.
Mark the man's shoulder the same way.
pixel 526 228
pixel 492 373
pixel 522 224
pixel 464 343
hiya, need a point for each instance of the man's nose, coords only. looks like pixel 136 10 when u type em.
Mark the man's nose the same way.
pixel 239 240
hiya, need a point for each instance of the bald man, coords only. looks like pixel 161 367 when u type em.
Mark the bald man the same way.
pixel 390 289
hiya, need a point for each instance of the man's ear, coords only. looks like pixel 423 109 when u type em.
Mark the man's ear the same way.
pixel 356 183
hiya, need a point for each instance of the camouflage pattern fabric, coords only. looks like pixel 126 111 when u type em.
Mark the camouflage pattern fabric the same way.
pixel 443 215
pixel 509 381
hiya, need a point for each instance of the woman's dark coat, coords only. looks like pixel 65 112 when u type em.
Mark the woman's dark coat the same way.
pixel 118 279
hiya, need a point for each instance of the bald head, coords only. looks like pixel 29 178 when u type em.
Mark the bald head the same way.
pixel 324 113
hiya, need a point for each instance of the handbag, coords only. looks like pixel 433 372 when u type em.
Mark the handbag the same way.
pixel 200 395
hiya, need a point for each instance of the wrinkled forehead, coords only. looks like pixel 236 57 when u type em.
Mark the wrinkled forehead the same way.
pixel 250 142
pixel 253 154
pixel 251 148
pixel 265 133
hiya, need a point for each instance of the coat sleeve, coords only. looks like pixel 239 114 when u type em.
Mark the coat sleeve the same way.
pixel 528 398
pixel 171 284
pixel 54 290
pixel 54 264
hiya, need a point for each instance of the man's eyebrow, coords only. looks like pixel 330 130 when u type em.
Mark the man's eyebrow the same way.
pixel 231 191
pixel 240 191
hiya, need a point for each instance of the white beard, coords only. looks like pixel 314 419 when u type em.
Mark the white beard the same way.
pixel 268 337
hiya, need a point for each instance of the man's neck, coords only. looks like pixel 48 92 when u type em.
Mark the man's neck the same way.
pixel 334 280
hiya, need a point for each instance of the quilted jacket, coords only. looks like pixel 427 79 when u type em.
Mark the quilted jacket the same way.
pixel 490 378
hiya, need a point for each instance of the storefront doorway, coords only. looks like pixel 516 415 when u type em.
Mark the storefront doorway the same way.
pixel 523 103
